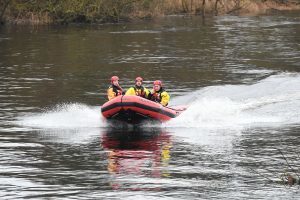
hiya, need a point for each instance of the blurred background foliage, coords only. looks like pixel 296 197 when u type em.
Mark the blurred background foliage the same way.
pixel 90 11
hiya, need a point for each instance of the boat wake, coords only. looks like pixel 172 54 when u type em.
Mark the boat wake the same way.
pixel 270 102
pixel 65 116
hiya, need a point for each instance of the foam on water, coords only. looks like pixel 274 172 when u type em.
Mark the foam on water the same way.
pixel 65 116
pixel 270 102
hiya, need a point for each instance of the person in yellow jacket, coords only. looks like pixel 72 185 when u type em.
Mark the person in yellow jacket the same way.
pixel 138 89
pixel 114 89
pixel 158 94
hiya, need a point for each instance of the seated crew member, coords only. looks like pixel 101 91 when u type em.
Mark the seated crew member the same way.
pixel 138 89
pixel 114 89
pixel 158 94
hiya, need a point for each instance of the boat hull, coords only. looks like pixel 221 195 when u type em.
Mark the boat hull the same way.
pixel 135 110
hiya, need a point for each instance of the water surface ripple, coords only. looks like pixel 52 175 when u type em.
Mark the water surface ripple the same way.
pixel 240 77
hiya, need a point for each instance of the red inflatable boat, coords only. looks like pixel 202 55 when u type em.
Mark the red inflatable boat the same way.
pixel 135 109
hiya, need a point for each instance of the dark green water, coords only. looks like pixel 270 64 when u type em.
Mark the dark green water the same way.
pixel 240 76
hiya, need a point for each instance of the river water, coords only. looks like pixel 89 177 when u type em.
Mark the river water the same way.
pixel 240 77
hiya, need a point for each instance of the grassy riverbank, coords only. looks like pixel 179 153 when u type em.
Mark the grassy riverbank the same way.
pixel 102 11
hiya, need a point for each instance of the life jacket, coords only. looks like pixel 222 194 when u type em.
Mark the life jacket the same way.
pixel 116 90
pixel 139 91
pixel 156 96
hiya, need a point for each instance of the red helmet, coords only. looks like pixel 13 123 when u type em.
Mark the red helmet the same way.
pixel 139 79
pixel 114 78
pixel 157 82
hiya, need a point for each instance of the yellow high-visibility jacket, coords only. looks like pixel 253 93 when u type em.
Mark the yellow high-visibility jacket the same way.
pixel 142 92
pixel 113 91
pixel 161 97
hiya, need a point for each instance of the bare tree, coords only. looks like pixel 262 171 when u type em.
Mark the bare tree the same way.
pixel 203 8
pixel 216 7
pixel 4 4
pixel 236 7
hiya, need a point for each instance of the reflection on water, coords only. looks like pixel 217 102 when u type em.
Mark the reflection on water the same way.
pixel 136 154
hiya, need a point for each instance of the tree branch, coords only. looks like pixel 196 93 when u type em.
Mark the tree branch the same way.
pixel 3 10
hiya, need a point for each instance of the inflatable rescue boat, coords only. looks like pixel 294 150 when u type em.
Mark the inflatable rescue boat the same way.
pixel 135 109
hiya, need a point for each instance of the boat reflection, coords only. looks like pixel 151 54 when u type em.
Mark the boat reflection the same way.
pixel 137 153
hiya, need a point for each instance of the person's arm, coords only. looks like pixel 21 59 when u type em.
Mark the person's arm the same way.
pixel 130 91
pixel 165 98
pixel 110 94
pixel 150 95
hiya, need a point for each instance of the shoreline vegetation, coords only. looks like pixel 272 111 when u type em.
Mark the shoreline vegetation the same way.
pixel 42 12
